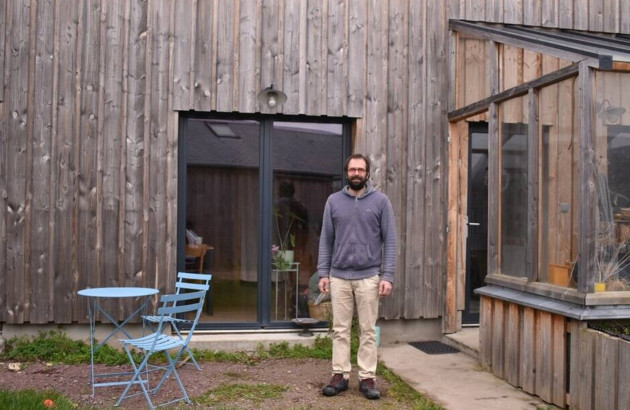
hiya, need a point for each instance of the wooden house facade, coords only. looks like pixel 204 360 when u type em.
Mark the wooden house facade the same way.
pixel 100 100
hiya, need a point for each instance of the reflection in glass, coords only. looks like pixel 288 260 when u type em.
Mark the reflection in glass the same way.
pixel 612 146
pixel 222 214
pixel 307 164
pixel 513 187
pixel 559 184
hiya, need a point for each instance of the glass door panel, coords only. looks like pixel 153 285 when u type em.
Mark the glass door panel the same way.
pixel 222 214
pixel 307 163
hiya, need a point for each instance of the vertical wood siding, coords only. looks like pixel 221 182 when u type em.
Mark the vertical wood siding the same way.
pixel 89 95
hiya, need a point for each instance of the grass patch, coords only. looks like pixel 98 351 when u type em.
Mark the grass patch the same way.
pixel 403 393
pixel 31 399
pixel 233 392
pixel 56 347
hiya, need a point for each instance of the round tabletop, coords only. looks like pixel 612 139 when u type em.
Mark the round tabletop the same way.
pixel 117 292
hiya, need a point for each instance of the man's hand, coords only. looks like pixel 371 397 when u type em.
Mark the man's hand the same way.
pixel 384 288
pixel 324 285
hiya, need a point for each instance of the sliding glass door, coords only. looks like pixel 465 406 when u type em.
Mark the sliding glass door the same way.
pixel 252 192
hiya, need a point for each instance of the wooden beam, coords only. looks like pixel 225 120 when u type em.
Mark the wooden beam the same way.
pixel 533 156
pixel 587 182
pixel 493 194
pixel 517 91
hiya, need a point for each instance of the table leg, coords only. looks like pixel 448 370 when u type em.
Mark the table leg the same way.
pixel 120 326
pixel 92 319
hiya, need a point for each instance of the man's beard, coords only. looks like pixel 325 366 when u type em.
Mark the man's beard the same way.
pixel 357 183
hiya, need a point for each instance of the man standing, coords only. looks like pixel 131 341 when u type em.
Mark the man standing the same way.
pixel 358 237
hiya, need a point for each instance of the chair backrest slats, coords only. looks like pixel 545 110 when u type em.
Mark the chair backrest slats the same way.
pixel 173 310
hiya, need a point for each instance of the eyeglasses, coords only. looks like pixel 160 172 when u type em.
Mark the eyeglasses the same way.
pixel 357 170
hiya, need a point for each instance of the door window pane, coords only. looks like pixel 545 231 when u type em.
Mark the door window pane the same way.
pixel 307 164
pixel 222 202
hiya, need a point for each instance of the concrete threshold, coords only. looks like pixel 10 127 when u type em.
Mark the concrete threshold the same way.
pixel 247 340
pixel 465 340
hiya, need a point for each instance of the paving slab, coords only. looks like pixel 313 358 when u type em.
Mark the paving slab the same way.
pixel 455 380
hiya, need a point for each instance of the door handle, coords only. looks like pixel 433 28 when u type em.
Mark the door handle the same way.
pixel 473 223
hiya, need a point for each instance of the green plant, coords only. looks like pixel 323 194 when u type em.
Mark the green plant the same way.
pixel 57 347
pixel 230 393
pixel 32 400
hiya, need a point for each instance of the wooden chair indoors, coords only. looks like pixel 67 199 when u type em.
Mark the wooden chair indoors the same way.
pixel 197 256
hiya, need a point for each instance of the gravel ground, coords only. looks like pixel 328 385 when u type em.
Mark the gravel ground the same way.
pixel 304 379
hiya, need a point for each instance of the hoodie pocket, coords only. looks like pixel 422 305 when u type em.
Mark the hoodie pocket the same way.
pixel 353 255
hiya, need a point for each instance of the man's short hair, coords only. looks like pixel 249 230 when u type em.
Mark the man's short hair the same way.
pixel 358 156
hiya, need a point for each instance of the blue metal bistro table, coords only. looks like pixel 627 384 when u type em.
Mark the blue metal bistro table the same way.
pixel 94 296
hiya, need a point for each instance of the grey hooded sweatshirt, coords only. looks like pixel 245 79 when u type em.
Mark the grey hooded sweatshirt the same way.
pixel 358 236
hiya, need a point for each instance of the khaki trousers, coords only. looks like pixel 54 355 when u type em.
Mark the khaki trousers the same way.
pixel 344 293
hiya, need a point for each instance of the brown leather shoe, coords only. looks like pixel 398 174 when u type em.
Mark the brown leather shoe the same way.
pixel 368 388
pixel 337 384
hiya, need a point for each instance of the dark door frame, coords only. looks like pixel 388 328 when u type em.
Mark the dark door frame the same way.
pixel 266 203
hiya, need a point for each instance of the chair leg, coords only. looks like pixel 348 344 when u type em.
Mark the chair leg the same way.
pixel 136 376
pixel 171 369
pixel 188 351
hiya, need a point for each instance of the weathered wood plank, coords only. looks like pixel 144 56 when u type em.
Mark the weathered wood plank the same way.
pixel 580 14
pixel 565 14
pixel 532 12
pixel 513 345
pixel 63 160
pixel 623 395
pixel 18 15
pixel 375 107
pixel 336 95
pixel 513 12
pixel 155 179
pixel 606 372
pixel 493 196
pixel 494 11
pixel 533 158
pixel 586 372
pixel 588 186
pixel 449 322
pixel 574 327
pixel 292 69
pixel 236 67
pixel 183 52
pixel 485 332
pixel 475 10
pixel 270 71
pixel 314 63
pixel 87 254
pixel 559 348
pixel 435 152
pixel 463 165
pixel 225 55
pixel 415 165
pixel 624 19
pixel 596 15
pixel 204 67
pixel 3 18
pixel 529 351
pixel 550 13
pixel 135 274
pixel 499 311
pixel 611 16
pixel 357 54
pixel 544 359
pixel 42 141
pixel 397 98
pixel 112 117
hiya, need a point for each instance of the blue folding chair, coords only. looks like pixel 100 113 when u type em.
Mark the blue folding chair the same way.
pixel 189 302
pixel 185 282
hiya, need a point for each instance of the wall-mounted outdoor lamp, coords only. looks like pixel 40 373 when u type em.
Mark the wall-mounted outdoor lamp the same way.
pixel 271 97
pixel 609 114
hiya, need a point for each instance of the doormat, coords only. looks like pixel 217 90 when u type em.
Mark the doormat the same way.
pixel 433 347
